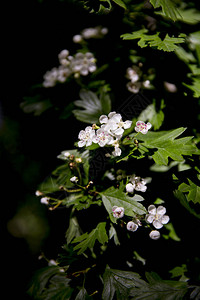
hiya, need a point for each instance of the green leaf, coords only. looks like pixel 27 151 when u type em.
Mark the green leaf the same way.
pixel 179 272
pixel 189 16
pixel 167 145
pixel 88 240
pixel 157 288
pixel 183 200
pixel 120 3
pixel 192 189
pixel 116 197
pixel 172 234
pixel 41 280
pixel 35 105
pixel 168 8
pixel 73 230
pixel 93 107
pixel 195 87
pixel 119 282
pixel 167 44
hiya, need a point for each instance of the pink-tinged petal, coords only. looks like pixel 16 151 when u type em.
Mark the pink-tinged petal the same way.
pixel 144 131
pixel 137 129
pixel 164 219
pixel 148 125
pixel 114 207
pixel 154 234
pixel 161 210
pixel 103 119
pixel 157 224
pixel 95 139
pixel 140 123
pixel 127 124
pixel 81 134
pixel 130 188
pixel 88 129
pixel 152 209
pixel 81 143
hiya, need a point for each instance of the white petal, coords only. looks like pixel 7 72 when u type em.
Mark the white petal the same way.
pixel 149 125
pixel 149 218
pixel 111 114
pixel 116 118
pixel 117 151
pixel 130 188
pixel 137 129
pixel 103 119
pixel 157 224
pixel 89 143
pixel 118 131
pixel 127 124
pixel 81 135
pixel 152 209
pixel 161 210
pixel 131 226
pixel 154 234
pixel 164 219
pixel 144 131
pixel 139 123
pixel 88 129
pixel 81 143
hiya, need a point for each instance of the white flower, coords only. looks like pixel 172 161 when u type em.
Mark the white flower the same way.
pixel 77 38
pixel 67 154
pixel 118 212
pixel 130 188
pixel 139 183
pixel 44 200
pixel 117 151
pixel 86 136
pixel 52 262
pixel 134 87
pixel 157 216
pixel 103 137
pixel 38 193
pixel 154 234
pixel 132 226
pixel 142 127
pixel 62 56
pixel 83 63
pixel 74 179
pixel 133 74
pixel 78 160
pixel 114 124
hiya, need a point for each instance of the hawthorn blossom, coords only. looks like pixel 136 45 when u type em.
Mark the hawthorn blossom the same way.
pixel 142 127
pixel 118 212
pixel 131 226
pixel 86 137
pixel 114 123
pixel 83 63
pixel 136 183
pixel 154 234
pixel 103 137
pixel 44 200
pixel 117 151
pixel 157 216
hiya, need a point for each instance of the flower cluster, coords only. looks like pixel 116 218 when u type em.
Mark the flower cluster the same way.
pixel 79 64
pixel 134 74
pixel 110 132
pixel 155 216
pixel 136 183
pixel 91 32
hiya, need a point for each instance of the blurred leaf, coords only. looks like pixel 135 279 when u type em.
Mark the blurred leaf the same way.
pixel 183 200
pixel 179 272
pixel 172 234
pixel 168 8
pixel 195 87
pixel 190 16
pixel 58 288
pixel 120 3
pixel 87 240
pixel 113 233
pixel 93 107
pixel 35 105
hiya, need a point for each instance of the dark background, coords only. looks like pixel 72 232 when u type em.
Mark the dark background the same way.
pixel 33 34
